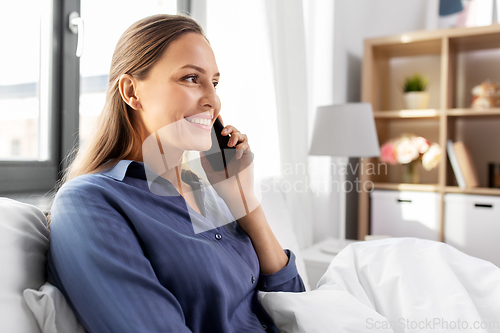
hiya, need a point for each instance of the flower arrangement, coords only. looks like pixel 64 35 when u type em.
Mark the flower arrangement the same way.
pixel 409 150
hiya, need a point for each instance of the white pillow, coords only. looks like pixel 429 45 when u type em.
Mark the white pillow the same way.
pixel 274 205
pixel 23 247
pixel 51 310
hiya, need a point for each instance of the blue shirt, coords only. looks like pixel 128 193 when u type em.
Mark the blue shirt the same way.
pixel 129 260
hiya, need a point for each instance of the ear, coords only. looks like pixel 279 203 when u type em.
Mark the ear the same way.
pixel 128 86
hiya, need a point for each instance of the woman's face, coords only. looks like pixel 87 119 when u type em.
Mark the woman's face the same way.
pixel 179 93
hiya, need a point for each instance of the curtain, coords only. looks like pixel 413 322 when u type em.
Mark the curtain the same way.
pixel 288 47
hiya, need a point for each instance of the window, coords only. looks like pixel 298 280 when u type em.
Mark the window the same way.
pixel 42 114
pixel 98 50
pixel 23 105
pixel 28 145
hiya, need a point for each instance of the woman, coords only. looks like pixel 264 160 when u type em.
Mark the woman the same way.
pixel 129 259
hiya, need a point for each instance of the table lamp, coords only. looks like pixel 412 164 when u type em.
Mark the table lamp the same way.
pixel 344 130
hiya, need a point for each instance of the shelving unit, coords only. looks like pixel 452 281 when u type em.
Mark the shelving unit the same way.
pixel 444 56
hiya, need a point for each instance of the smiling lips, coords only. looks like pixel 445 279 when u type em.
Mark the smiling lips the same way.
pixel 203 121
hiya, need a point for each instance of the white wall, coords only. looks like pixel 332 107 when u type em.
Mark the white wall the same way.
pixel 336 30
pixel 356 20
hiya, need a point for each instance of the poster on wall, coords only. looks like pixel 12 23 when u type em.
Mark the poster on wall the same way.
pixel 444 14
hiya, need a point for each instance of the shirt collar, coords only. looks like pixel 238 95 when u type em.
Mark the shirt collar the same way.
pixel 118 171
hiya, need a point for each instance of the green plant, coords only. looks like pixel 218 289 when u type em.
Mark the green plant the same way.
pixel 415 83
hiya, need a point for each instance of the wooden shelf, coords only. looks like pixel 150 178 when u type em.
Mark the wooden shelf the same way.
pixel 473 190
pixel 435 113
pixel 473 112
pixel 464 38
pixel 439 54
pixel 407 187
pixel 408 48
pixel 436 188
pixel 427 113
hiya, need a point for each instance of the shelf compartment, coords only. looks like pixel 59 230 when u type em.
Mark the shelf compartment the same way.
pixel 389 129
pixel 480 135
pixel 398 114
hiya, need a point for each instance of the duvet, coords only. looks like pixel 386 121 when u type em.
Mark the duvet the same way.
pixel 395 285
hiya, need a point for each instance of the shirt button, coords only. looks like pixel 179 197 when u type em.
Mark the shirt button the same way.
pixel 218 236
pixel 264 327
pixel 253 280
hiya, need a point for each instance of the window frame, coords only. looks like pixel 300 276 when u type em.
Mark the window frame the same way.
pixel 22 176
pixel 64 85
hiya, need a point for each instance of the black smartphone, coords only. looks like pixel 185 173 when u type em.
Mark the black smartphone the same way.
pixel 219 154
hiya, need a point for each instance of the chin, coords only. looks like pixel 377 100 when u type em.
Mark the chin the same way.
pixel 201 145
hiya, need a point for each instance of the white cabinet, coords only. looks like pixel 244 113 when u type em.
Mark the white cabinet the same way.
pixel 405 214
pixel 316 262
pixel 472 225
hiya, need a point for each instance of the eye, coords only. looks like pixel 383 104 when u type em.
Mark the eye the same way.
pixel 191 78
pixel 215 83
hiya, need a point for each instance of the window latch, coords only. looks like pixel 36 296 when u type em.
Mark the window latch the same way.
pixel 76 27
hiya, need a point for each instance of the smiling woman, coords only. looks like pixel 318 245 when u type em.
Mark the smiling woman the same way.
pixel 125 250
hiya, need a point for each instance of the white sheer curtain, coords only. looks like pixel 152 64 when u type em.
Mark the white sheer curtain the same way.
pixel 288 45
pixel 238 33
pixel 320 33
pixel 273 77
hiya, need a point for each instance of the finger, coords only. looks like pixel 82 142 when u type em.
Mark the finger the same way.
pixel 237 138
pixel 229 129
pixel 240 149
pixel 220 118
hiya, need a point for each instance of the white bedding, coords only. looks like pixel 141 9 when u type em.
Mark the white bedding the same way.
pixel 395 285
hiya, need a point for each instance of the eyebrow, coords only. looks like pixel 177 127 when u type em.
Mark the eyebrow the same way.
pixel 199 69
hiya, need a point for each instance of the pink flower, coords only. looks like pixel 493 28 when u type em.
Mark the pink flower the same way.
pixel 388 153
pixel 406 152
pixel 421 143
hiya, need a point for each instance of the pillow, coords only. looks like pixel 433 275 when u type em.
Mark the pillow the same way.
pixel 274 206
pixel 23 246
pixel 51 310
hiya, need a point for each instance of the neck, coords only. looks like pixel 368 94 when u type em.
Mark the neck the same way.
pixel 168 165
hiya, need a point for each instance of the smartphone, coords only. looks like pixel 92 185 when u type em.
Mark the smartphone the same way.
pixel 219 154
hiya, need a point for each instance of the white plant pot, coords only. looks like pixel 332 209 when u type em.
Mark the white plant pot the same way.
pixel 417 100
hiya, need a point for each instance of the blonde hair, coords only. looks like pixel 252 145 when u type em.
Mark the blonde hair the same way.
pixel 114 137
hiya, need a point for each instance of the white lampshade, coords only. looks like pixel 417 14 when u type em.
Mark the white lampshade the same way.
pixel 345 130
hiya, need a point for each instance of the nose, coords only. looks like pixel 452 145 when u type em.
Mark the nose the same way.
pixel 210 98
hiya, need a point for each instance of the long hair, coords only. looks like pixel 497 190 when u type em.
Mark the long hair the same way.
pixel 114 136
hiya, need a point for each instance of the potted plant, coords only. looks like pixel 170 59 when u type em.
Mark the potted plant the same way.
pixel 414 92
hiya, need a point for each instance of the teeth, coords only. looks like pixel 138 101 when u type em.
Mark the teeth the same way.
pixel 205 122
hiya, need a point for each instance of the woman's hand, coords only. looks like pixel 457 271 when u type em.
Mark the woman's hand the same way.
pixel 235 184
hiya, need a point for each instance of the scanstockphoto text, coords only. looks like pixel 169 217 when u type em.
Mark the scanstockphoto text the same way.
pixel 307 180
pixel 433 324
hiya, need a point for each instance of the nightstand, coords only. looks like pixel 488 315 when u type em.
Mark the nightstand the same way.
pixel 317 261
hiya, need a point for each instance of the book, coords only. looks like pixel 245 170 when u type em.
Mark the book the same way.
pixel 454 164
pixel 466 164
